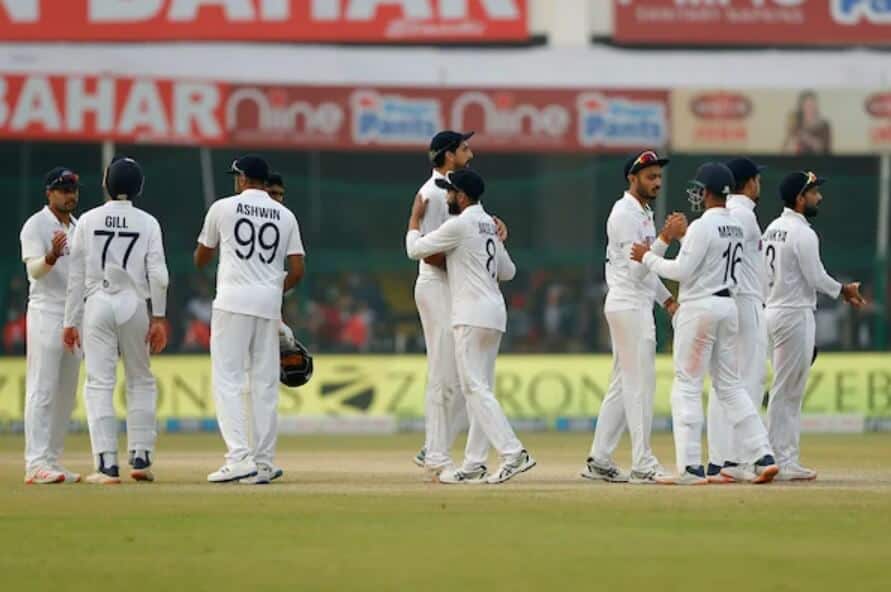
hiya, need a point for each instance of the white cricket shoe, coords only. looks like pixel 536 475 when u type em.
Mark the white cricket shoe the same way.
pixel 648 477
pixel 596 470
pixel 795 472
pixel 70 477
pixel 511 467
pixel 690 476
pixel 234 472
pixel 460 476
pixel 263 476
pixel 44 475
pixel 739 473
pixel 106 476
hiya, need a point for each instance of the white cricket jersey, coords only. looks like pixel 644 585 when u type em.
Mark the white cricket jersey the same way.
pixel 708 262
pixel 435 215
pixel 794 269
pixel 255 234
pixel 116 247
pixel 631 285
pixel 477 261
pixel 750 273
pixel 47 293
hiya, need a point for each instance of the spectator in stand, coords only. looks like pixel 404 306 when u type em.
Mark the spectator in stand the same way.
pixel 14 331
pixel 196 337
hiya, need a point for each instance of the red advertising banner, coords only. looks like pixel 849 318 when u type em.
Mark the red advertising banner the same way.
pixel 753 22
pixel 333 21
pixel 337 117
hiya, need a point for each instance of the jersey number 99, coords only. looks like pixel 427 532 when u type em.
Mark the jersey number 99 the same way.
pixel 250 237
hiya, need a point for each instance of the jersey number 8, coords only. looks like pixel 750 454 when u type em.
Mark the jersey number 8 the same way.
pixel 247 235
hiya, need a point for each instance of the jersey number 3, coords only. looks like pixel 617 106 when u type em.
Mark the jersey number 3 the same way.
pixel 248 236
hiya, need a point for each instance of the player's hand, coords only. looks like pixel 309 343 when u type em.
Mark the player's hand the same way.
pixel 418 209
pixel 675 227
pixel 671 306
pixel 851 293
pixel 60 241
pixel 638 250
pixel 157 335
pixel 70 338
pixel 501 228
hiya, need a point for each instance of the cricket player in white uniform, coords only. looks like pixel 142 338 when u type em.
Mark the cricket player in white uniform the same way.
pixel 706 328
pixel 629 314
pixel 476 261
pixel 795 273
pixel 117 264
pixel 255 235
pixel 752 339
pixel 445 410
pixel 51 380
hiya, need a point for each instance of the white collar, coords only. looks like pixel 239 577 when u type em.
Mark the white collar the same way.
pixel 252 191
pixel 123 202
pixel 742 201
pixel 50 216
pixel 790 213
pixel 639 206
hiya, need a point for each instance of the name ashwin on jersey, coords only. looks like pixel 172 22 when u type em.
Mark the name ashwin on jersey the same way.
pixel 250 210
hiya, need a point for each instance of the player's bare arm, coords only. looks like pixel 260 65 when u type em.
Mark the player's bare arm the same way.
pixel 60 241
pixel 638 250
pixel 156 337
pixel 203 255
pixel 296 269
pixel 851 293
pixel 501 228
pixel 675 227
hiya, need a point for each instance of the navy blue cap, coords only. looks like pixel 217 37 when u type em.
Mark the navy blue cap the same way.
pixel 62 177
pixel 794 184
pixel 641 160
pixel 464 180
pixel 744 169
pixel 124 177
pixel 446 140
pixel 715 177
pixel 275 179
pixel 251 166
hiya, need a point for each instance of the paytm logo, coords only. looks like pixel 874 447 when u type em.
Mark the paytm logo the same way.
pixel 621 122
pixel 394 119
pixel 851 12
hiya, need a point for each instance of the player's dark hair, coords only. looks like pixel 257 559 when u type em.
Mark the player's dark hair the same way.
pixel 439 159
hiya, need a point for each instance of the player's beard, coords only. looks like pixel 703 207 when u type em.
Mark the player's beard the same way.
pixel 454 209
pixel 811 211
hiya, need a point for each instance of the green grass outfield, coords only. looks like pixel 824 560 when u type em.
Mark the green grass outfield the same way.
pixel 354 514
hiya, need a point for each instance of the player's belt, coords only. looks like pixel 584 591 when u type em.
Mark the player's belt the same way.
pixel 725 293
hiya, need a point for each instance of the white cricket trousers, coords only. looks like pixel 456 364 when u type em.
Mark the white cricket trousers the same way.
pixel 117 324
pixel 445 413
pixel 50 389
pixel 752 341
pixel 632 387
pixel 705 341
pixel 475 352
pixel 791 332
pixel 234 339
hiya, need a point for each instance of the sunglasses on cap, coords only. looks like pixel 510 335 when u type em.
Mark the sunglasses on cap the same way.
pixel 645 158
pixel 66 178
